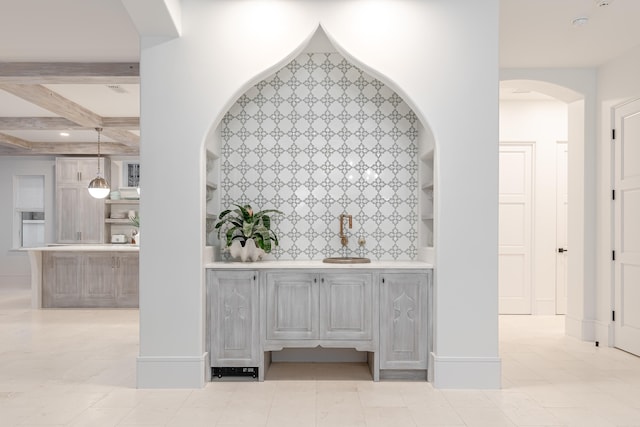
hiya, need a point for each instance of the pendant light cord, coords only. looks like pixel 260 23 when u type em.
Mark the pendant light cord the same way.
pixel 98 130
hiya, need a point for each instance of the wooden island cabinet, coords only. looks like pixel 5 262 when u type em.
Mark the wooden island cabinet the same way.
pixel 84 276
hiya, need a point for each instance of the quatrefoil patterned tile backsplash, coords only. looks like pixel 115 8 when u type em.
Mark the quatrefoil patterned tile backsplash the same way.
pixel 317 139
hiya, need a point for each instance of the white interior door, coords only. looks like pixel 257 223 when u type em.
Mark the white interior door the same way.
pixel 627 227
pixel 515 228
pixel 561 227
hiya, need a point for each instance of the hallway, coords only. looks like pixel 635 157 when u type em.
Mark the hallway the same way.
pixel 77 368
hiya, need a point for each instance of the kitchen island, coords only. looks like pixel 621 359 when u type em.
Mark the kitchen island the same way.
pixel 382 308
pixel 84 276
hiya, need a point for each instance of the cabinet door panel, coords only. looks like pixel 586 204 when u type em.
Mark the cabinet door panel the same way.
pixel 90 217
pixel 80 216
pixel 234 318
pixel 403 321
pixel 127 279
pixel 98 289
pixel 292 306
pixel 346 302
pixel 67 210
pixel 67 171
pixel 61 285
pixel 88 169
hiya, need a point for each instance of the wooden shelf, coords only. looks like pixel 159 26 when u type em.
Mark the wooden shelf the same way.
pixel 122 202
pixel 428 217
pixel 124 221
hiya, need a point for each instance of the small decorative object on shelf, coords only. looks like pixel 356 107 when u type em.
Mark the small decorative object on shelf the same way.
pixel 134 219
pixel 248 233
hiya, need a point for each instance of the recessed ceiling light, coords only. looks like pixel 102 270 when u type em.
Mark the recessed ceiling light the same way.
pixel 64 133
pixel 603 3
pixel 580 21
pixel 117 88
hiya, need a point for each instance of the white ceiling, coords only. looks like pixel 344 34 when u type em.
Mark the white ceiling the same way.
pixel 533 34
pixel 539 33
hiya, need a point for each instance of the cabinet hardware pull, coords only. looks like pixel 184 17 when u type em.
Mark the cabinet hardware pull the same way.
pixel 322 280
pixel 315 280
pixel 254 277
pixel 383 280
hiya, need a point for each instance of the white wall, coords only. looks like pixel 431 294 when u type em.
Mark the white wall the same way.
pixel 545 124
pixel 14 265
pixel 617 82
pixel 424 51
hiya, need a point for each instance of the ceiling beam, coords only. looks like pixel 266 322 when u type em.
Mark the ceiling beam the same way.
pixel 131 123
pixel 57 104
pixel 84 148
pixel 13 142
pixel 70 148
pixel 60 123
pixel 70 72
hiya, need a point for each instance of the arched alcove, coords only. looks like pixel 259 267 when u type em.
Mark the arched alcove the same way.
pixel 316 137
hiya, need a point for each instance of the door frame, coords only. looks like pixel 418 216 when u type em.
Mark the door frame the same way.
pixel 615 320
pixel 566 284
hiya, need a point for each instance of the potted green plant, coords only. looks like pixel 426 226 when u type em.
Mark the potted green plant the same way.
pixel 247 228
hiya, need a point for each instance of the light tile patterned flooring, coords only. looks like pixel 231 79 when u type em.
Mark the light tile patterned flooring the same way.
pixel 77 368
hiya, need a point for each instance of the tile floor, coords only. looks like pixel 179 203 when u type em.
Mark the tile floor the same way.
pixel 77 368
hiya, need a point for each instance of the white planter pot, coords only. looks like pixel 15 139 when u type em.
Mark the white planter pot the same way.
pixel 248 252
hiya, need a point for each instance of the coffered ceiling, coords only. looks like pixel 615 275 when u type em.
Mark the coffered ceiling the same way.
pixel 69 66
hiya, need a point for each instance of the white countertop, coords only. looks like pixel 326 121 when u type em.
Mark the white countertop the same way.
pixel 87 248
pixel 316 264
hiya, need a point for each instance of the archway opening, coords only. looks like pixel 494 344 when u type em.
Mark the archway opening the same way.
pixel 541 134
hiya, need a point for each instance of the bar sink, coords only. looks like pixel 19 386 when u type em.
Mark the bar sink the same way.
pixel 346 260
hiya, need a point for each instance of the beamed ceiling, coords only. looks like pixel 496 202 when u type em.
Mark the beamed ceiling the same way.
pixel 50 102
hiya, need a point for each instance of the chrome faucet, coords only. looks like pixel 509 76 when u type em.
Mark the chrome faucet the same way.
pixel 343 237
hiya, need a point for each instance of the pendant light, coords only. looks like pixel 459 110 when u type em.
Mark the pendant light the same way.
pixel 99 187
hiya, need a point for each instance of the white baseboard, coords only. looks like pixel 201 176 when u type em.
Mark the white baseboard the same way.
pixel 171 372
pixel 604 333
pixel 466 372
pixel 582 329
